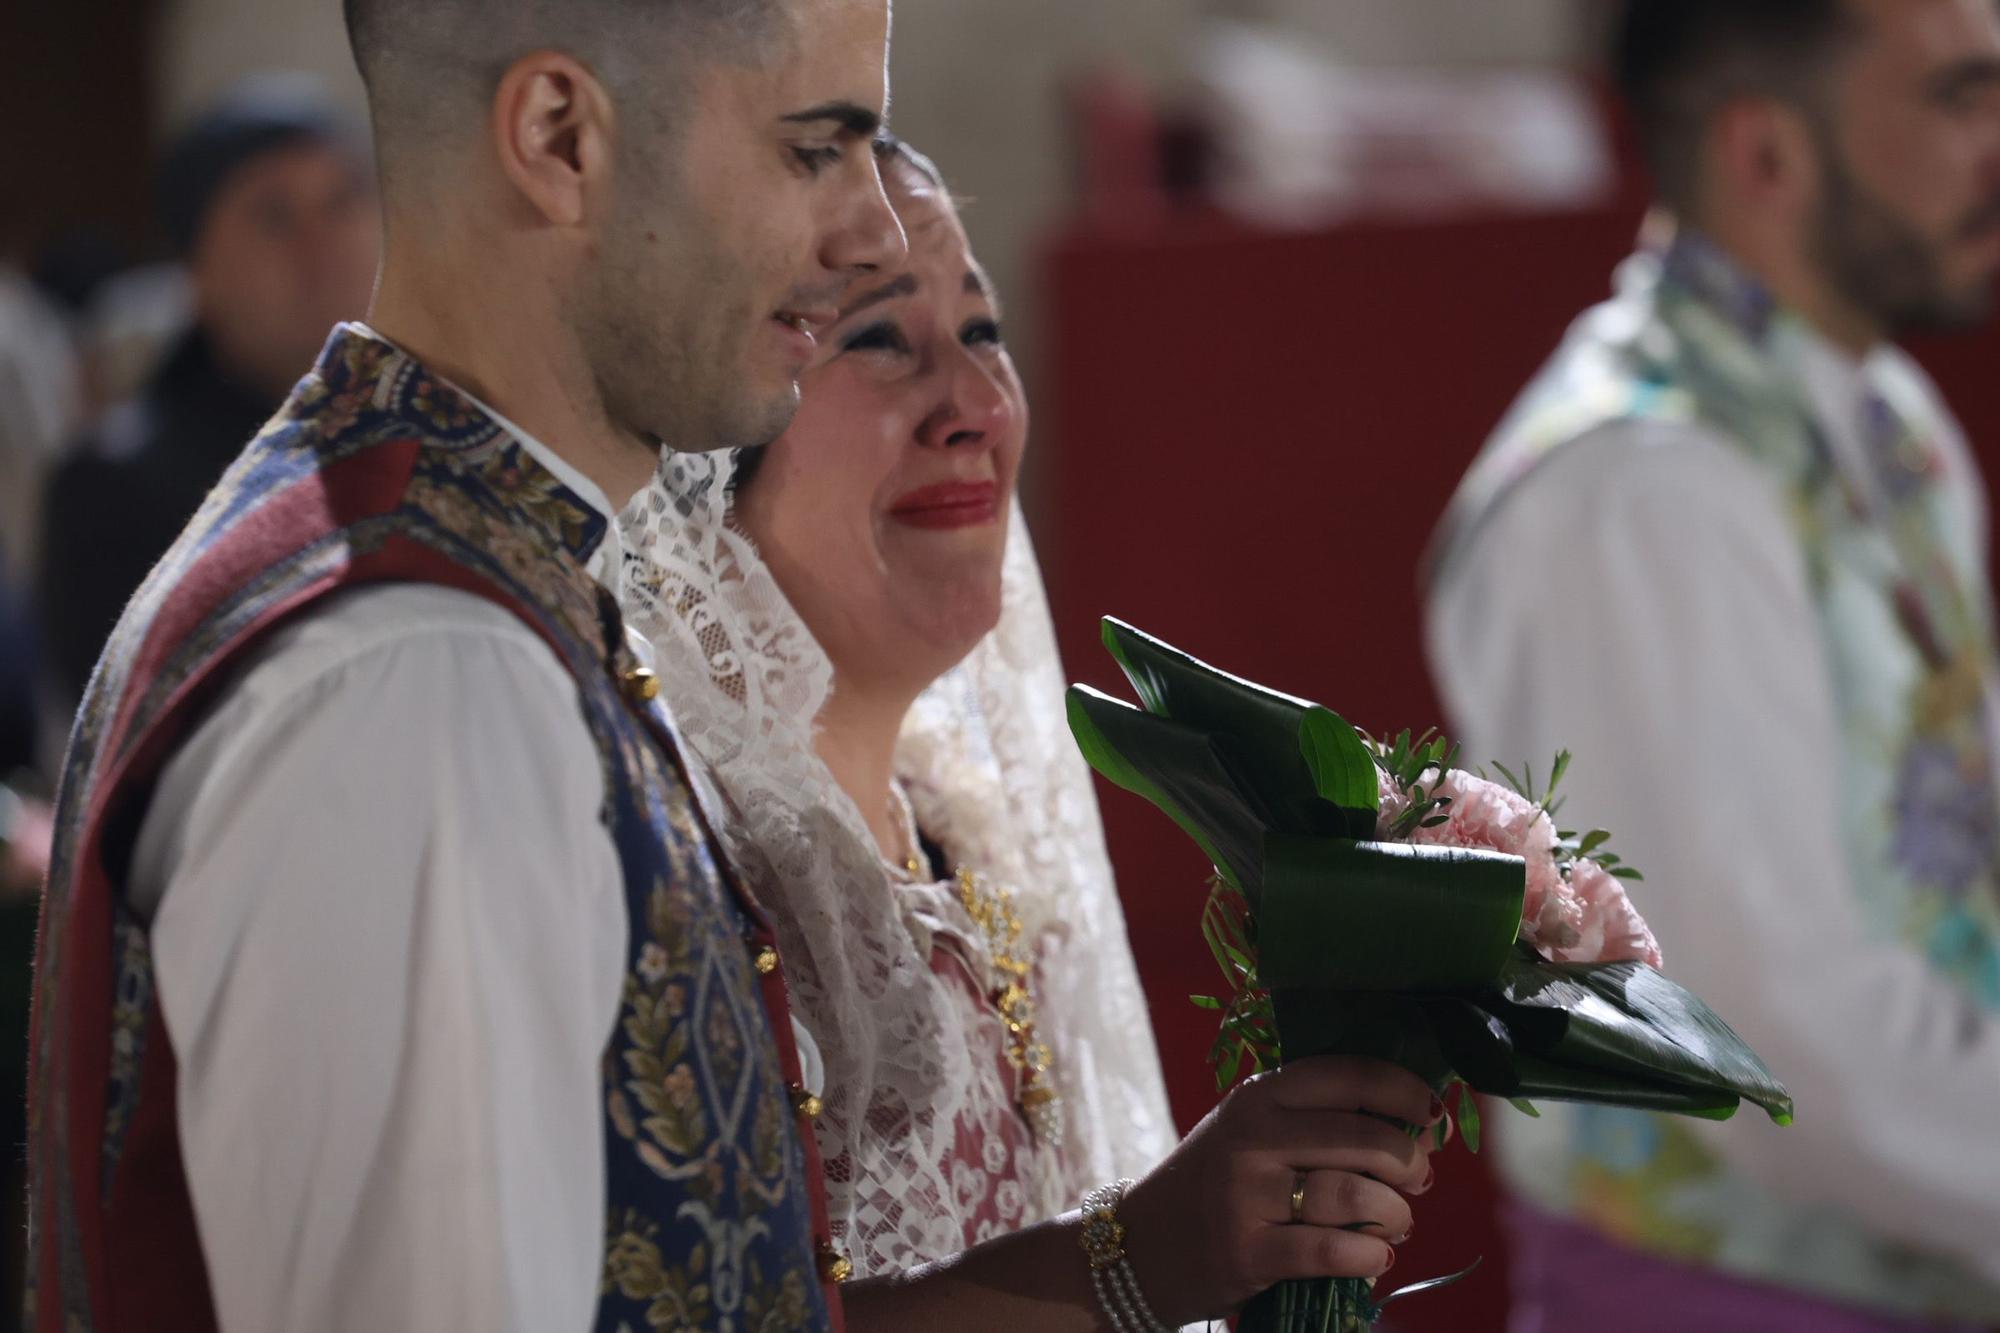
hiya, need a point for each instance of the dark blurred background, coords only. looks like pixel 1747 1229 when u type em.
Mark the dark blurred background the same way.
pixel 1274 269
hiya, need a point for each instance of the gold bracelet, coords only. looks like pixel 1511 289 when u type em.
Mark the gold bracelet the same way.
pixel 1111 1276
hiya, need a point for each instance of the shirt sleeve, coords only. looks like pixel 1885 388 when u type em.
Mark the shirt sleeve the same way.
pixel 1640 601
pixel 389 948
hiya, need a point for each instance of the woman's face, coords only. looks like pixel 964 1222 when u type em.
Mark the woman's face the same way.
pixel 883 511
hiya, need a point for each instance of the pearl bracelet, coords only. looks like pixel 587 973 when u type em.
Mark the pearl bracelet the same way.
pixel 1111 1275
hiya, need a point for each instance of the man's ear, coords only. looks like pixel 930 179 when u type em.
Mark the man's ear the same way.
pixel 1763 154
pixel 552 126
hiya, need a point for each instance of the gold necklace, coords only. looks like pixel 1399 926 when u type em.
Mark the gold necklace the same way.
pixel 1030 1057
pixel 993 913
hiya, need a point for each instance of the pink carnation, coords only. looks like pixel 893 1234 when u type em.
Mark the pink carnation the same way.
pixel 1578 916
pixel 1613 930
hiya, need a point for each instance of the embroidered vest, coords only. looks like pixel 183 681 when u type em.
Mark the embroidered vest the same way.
pixel 1895 566
pixel 374 472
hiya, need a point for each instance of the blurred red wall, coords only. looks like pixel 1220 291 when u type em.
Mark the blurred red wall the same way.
pixel 1243 441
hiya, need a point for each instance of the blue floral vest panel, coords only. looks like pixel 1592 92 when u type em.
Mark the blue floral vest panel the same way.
pixel 377 471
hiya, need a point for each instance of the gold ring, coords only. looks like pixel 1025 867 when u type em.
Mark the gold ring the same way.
pixel 1299 1199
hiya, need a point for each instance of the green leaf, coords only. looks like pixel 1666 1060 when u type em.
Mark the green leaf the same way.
pixel 1592 841
pixel 1468 1117
pixel 1432 1284
pixel 1365 916
pixel 1177 769
pixel 1205 1002
pixel 1343 769
pixel 1383 1027
pixel 1548 1081
pixel 1227 1070
pixel 1258 731
pixel 1525 1107
pixel 1627 1019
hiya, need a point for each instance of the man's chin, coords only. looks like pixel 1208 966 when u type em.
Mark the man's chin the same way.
pixel 756 424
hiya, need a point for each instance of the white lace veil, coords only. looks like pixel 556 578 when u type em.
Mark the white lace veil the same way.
pixel 912 1067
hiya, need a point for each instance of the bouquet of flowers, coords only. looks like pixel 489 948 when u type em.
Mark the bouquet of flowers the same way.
pixel 1375 900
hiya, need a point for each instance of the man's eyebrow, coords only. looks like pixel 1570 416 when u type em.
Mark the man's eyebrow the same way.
pixel 850 117
pixel 906 285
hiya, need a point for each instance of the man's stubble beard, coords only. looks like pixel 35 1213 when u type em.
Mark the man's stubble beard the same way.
pixel 1884 266
pixel 668 324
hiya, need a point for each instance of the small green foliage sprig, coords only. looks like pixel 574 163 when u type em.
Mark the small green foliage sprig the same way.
pixel 1571 846
pixel 1415 767
pixel 1247 1042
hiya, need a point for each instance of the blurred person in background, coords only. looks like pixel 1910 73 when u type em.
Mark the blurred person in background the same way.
pixel 269 199
pixel 1731 549
pixel 41 395
pixel 25 835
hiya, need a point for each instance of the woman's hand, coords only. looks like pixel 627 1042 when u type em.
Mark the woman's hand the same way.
pixel 1212 1226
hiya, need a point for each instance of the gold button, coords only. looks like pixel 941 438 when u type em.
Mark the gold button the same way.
pixel 767 961
pixel 642 685
pixel 833 1265
pixel 806 1104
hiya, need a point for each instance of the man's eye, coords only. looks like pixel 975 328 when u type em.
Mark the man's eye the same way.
pixel 816 160
pixel 981 332
pixel 879 337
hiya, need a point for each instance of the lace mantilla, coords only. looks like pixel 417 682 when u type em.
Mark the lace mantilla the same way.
pixel 925 1144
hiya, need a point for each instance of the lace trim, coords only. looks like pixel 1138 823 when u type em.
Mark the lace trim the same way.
pixel 925 1146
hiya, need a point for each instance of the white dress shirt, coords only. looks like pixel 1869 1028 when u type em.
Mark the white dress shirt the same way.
pixel 1641 600
pixel 389 933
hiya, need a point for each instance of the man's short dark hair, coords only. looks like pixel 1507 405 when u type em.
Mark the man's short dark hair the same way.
pixel 420 56
pixel 1678 61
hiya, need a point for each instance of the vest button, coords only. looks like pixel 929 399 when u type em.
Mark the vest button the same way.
pixel 834 1266
pixel 806 1104
pixel 642 685
pixel 767 961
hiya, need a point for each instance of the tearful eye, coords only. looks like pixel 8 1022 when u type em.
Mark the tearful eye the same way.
pixel 882 336
pixel 816 160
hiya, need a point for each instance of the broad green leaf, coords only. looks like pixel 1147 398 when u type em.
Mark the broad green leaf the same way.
pixel 1382 1027
pixel 1544 1080
pixel 1365 916
pixel 1343 770
pixel 1629 1018
pixel 1176 768
pixel 1258 730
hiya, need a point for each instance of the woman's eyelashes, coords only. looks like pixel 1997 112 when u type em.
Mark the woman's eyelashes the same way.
pixel 816 160
pixel 881 336
pixel 887 336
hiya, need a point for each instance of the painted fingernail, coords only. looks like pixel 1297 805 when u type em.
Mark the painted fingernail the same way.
pixel 1430 1179
pixel 1437 1108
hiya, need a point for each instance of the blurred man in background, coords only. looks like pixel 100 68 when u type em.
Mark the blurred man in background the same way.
pixel 1731 549
pixel 269 198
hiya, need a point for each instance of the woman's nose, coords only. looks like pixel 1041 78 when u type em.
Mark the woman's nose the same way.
pixel 975 410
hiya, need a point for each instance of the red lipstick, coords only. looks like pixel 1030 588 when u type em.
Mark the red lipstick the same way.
pixel 949 504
